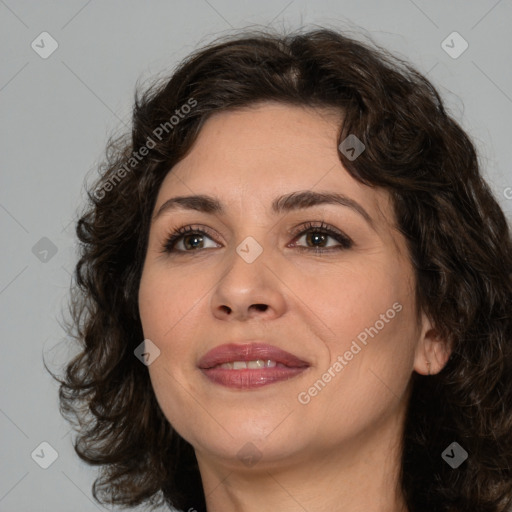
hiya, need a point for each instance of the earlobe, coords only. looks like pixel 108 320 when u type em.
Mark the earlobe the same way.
pixel 432 350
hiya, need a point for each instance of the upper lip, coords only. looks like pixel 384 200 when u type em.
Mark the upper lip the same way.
pixel 248 352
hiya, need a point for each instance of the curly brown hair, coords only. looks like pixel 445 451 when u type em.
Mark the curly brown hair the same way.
pixel 458 237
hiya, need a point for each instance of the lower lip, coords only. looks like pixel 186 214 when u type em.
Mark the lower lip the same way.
pixel 250 379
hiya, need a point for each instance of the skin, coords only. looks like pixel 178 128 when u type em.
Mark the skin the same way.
pixel 341 450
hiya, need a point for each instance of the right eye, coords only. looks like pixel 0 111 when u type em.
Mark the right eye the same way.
pixel 186 239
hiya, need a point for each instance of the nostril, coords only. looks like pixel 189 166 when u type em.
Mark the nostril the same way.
pixel 261 307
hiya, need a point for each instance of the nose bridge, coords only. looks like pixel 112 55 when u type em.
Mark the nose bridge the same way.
pixel 253 229
pixel 247 266
pixel 247 283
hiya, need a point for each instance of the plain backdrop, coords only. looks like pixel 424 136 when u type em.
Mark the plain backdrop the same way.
pixel 56 115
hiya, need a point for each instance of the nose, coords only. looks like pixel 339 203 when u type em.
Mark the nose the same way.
pixel 248 290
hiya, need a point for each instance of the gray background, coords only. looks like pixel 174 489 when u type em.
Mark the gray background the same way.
pixel 57 113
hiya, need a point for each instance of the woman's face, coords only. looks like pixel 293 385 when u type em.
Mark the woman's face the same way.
pixel 257 276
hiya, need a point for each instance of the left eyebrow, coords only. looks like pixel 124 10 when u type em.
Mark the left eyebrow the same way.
pixel 285 203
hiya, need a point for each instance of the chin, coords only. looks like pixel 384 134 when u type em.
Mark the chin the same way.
pixel 268 436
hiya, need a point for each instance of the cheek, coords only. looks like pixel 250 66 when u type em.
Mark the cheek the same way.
pixel 166 299
pixel 364 382
pixel 167 313
pixel 172 308
pixel 367 314
pixel 349 298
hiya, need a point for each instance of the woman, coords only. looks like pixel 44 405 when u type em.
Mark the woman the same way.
pixel 294 292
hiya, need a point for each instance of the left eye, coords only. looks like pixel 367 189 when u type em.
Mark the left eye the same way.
pixel 315 239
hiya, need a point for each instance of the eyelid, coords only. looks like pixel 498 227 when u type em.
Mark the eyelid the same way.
pixel 319 224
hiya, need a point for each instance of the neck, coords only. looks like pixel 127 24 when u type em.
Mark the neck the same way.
pixel 356 476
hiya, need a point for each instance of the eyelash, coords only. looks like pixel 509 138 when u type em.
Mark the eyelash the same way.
pixel 325 229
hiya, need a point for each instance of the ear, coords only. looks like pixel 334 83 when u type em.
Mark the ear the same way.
pixel 432 351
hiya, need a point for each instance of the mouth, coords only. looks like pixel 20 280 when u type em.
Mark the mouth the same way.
pixel 250 366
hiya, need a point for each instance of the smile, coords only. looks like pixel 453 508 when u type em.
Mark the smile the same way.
pixel 250 365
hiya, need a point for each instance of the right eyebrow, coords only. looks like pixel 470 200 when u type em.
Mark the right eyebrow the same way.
pixel 200 203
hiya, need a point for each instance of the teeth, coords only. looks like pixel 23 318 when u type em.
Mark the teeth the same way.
pixel 254 365
pixel 251 365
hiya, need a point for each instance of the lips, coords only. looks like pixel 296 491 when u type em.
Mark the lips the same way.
pixel 249 352
pixel 225 365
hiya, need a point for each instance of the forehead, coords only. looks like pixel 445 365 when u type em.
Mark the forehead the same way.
pixel 247 157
